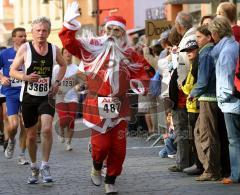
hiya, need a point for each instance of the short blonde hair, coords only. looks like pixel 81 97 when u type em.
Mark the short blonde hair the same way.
pixel 221 26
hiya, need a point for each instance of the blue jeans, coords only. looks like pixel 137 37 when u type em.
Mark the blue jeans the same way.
pixel 233 129
pixel 169 148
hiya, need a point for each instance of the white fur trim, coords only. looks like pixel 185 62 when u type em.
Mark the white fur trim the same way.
pixel 71 27
pixel 116 23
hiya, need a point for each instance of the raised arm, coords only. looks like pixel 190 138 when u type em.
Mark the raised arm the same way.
pixel 68 32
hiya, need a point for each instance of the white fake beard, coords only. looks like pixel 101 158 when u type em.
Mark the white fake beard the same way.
pixel 102 47
pixel 108 46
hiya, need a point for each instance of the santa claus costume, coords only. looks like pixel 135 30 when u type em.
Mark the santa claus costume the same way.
pixel 111 68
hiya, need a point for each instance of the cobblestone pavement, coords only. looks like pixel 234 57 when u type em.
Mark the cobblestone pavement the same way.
pixel 144 173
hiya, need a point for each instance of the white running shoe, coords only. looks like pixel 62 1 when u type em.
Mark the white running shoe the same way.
pixel 22 160
pixel 10 149
pixel 96 177
pixel 110 189
pixel 33 178
pixel 46 175
pixel 68 147
pixel 171 156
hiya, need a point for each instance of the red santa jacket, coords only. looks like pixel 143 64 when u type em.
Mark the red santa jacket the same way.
pixel 100 88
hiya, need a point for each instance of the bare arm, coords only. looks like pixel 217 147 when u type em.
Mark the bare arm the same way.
pixel 62 69
pixel 18 61
pixel 62 65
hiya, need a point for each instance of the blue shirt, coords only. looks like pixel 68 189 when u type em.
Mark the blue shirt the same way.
pixel 6 59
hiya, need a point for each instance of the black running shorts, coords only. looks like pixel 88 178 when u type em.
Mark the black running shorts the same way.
pixel 34 106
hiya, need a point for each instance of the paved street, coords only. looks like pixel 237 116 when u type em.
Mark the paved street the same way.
pixel 144 173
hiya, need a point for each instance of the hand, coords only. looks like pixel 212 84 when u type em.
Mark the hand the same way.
pixel 72 12
pixel 5 81
pixel 33 77
pixel 53 90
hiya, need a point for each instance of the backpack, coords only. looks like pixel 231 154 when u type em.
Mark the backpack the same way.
pixel 155 84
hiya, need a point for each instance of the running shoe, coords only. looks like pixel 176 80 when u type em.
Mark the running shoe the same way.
pixel 68 147
pixel 46 175
pixel 96 177
pixel 10 149
pixel 33 178
pixel 22 160
pixel 110 189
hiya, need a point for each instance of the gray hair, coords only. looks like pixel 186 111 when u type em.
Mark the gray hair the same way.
pixel 221 26
pixel 184 19
pixel 42 19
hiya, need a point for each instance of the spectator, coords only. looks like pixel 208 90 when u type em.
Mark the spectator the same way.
pixel 226 53
pixel 184 26
pixel 229 10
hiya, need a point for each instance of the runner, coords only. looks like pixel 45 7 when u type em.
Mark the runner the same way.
pixel 110 64
pixel 12 89
pixel 67 99
pixel 38 57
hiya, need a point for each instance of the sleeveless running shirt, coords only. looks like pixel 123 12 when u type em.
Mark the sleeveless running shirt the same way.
pixel 43 66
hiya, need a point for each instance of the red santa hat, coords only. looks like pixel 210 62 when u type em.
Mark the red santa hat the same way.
pixel 116 20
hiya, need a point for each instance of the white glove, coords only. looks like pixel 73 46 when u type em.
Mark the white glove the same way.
pixel 72 12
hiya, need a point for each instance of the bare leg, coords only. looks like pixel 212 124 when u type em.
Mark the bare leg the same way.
pixel 46 121
pixel 32 142
pixel 23 135
pixel 13 125
pixel 149 123
pixel 69 135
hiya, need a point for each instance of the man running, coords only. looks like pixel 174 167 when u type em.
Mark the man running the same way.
pixel 12 89
pixel 110 65
pixel 38 58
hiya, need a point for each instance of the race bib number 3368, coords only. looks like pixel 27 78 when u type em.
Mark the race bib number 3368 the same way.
pixel 39 88
pixel 108 107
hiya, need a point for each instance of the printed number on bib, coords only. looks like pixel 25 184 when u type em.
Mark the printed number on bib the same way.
pixel 39 88
pixel 15 82
pixel 67 84
pixel 108 107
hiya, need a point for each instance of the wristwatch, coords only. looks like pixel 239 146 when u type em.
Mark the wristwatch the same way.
pixel 58 82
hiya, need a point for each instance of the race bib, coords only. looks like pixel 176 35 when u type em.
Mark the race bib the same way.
pixel 15 82
pixel 67 84
pixel 108 107
pixel 39 88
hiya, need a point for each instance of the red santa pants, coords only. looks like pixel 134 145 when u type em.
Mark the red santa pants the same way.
pixel 111 145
